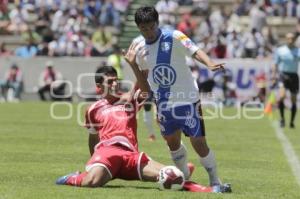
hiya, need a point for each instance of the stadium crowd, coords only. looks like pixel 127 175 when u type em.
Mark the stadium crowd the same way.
pixel 62 27
pixel 91 27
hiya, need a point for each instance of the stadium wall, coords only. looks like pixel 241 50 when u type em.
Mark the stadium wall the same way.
pixel 79 72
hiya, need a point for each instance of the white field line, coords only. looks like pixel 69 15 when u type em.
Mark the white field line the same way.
pixel 289 152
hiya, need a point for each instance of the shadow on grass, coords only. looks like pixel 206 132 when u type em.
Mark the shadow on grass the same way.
pixel 127 186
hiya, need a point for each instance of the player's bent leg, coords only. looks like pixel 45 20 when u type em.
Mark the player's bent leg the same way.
pixel 207 159
pixel 281 105
pixel 293 109
pixel 173 140
pixel 178 152
pixel 96 177
pixel 200 146
pixel 150 170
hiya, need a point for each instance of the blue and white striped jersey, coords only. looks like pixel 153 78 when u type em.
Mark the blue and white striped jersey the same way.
pixel 169 77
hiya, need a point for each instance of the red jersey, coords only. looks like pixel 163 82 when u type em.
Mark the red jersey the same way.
pixel 114 123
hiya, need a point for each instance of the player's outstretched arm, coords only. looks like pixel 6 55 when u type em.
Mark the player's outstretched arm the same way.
pixel 202 57
pixel 93 140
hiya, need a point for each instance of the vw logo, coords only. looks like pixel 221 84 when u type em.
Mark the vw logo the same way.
pixel 164 75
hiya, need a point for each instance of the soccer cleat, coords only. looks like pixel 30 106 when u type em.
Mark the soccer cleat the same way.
pixel 191 167
pixel 223 188
pixel 292 125
pixel 64 179
pixel 282 123
pixel 194 187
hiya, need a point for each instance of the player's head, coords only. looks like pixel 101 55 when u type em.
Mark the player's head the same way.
pixel 290 39
pixel 146 19
pixel 106 80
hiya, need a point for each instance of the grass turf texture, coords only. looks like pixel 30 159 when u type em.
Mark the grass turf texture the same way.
pixel 36 149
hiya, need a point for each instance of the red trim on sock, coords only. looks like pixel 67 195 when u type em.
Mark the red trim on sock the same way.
pixel 76 180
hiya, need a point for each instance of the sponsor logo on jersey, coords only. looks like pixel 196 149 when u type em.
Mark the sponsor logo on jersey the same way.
pixel 165 46
pixel 164 75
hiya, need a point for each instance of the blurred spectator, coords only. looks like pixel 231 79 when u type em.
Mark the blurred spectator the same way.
pixel 57 47
pixel 185 2
pixel 271 40
pixel 234 23
pixel 291 8
pixel 18 17
pixel 121 5
pixel 31 35
pixel 278 7
pixel 11 86
pixel 204 30
pixel 261 87
pixel 234 45
pixel 43 20
pixel 253 42
pixel 75 46
pixel 220 50
pixel 258 18
pixel 92 9
pixel 206 45
pixel 218 20
pixel 187 26
pixel 200 7
pixel 4 52
pixel 115 60
pixel 59 20
pixel 166 10
pixel 229 89
pixel 51 81
pixel 4 17
pixel 109 15
pixel 239 7
pixel 30 50
pixel 102 40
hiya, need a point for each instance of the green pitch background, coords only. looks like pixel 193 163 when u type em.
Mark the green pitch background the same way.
pixel 36 149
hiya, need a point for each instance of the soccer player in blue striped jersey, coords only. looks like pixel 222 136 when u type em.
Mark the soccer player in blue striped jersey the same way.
pixel 157 58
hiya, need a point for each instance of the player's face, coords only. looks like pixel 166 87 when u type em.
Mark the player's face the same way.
pixel 149 30
pixel 111 85
pixel 290 39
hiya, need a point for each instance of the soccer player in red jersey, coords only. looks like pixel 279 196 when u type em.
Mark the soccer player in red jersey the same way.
pixel 112 126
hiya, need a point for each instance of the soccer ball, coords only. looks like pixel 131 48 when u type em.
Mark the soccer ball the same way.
pixel 170 178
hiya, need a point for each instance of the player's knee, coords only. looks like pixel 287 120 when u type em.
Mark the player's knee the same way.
pixel 93 181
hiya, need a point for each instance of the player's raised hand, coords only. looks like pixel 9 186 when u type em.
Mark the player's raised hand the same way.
pixel 130 54
pixel 216 67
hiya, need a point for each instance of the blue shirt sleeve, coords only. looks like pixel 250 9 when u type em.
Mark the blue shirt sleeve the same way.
pixel 276 57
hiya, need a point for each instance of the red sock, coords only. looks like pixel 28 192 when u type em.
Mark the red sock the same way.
pixel 76 180
pixel 194 187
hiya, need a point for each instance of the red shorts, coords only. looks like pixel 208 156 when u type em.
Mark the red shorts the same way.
pixel 119 161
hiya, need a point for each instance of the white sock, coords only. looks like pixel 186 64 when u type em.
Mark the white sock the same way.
pixel 209 163
pixel 148 119
pixel 179 157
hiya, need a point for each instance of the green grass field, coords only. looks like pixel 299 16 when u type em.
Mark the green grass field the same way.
pixel 35 150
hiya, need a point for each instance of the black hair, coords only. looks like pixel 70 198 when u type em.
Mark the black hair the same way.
pixel 103 71
pixel 146 14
